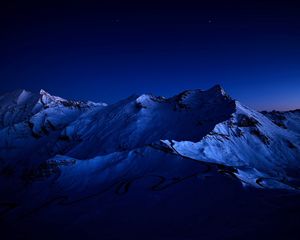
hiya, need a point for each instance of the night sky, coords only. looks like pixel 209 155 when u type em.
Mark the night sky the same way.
pixel 108 50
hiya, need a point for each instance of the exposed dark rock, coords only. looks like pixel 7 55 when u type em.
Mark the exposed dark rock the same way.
pixel 245 121
pixel 280 124
pixel 219 134
pixel 239 132
pixel 260 135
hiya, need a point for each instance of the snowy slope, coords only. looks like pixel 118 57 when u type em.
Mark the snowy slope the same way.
pixel 141 194
pixel 202 125
pixel 31 125
pixel 141 120
pixel 289 120
pixel 86 168
pixel 262 153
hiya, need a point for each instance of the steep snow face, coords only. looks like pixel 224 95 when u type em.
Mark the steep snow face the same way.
pixel 141 120
pixel 262 153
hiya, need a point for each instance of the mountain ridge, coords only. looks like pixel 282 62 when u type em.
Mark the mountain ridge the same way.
pixel 208 119
pixel 80 169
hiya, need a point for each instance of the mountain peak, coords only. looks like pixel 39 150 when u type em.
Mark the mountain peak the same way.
pixel 47 97
pixel 43 92
pixel 218 89
pixel 47 94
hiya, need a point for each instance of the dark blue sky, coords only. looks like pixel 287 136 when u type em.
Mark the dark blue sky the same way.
pixel 104 52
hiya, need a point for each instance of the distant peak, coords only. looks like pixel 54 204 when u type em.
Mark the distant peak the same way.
pixel 215 91
pixel 23 96
pixel 43 92
pixel 17 92
pixel 22 91
pixel 47 97
pixel 218 89
pixel 95 104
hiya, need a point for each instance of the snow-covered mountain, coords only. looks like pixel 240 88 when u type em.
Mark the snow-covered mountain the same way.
pixel 66 152
pixel 207 126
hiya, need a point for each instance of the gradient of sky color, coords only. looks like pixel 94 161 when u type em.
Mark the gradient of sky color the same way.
pixel 107 50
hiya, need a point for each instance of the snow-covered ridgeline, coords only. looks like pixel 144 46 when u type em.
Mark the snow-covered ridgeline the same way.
pixel 206 126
